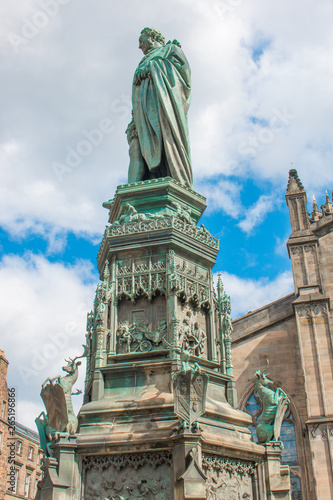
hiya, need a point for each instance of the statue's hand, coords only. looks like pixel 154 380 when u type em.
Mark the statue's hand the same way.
pixel 141 74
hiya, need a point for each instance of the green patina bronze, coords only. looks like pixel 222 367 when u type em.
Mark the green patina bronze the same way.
pixel 160 412
pixel 158 133
pixel 275 403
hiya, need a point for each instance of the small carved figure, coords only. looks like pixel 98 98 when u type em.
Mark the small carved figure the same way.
pixel 274 408
pixel 184 358
pixel 131 215
pixel 213 487
pixel 196 340
pixel 90 321
pixel 125 332
pixel 182 212
pixel 204 230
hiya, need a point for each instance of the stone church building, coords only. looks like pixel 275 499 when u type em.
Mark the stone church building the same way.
pixel 292 337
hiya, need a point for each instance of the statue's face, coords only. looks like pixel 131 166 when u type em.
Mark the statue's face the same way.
pixel 145 43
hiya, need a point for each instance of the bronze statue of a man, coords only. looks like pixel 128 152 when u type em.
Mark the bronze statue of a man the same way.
pixel 158 133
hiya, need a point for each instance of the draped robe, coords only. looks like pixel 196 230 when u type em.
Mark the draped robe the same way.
pixel 160 104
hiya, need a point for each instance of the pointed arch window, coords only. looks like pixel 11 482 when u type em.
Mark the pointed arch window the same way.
pixel 289 456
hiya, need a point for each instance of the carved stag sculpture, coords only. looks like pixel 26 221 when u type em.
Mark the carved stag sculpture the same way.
pixel 57 396
pixel 275 403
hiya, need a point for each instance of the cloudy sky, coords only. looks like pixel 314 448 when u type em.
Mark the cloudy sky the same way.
pixel 262 103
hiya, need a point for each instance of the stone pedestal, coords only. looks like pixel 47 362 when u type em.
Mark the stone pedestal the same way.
pixel 190 480
pixel 160 417
pixel 61 479
pixel 277 477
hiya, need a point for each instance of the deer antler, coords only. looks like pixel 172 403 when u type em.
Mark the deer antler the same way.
pixel 85 353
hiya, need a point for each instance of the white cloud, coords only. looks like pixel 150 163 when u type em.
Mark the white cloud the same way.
pixel 257 212
pixel 43 311
pixel 26 410
pixel 222 195
pixel 250 294
pixel 77 71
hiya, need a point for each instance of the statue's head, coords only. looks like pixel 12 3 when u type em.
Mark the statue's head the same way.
pixel 150 38
pixel 262 378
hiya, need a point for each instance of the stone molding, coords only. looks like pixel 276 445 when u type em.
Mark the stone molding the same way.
pixel 313 310
pixel 323 431
pixel 135 460
pixel 231 465
pixel 163 222
pixel 200 234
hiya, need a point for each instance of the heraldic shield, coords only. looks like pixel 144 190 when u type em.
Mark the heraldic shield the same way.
pixel 190 388
pixel 55 404
pixel 280 412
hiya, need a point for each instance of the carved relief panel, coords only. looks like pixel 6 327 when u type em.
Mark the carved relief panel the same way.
pixel 192 333
pixel 130 476
pixel 228 478
pixel 141 325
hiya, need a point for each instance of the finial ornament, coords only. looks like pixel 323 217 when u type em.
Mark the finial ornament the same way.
pixel 294 182
pixel 316 213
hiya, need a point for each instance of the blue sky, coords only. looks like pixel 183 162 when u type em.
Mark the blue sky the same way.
pixel 262 102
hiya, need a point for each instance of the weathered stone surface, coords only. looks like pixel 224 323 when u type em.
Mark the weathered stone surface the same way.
pixel 159 371
pixel 229 478
pixel 295 335
pixel 128 476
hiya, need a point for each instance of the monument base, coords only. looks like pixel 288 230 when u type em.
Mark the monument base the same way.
pixel 160 418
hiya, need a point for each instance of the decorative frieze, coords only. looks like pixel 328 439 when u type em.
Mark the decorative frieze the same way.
pixel 134 460
pixel 188 281
pixel 323 431
pixel 228 464
pixel 141 278
pixel 156 224
pixel 313 310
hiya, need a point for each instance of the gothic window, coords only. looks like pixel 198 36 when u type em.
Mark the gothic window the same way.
pixel 289 456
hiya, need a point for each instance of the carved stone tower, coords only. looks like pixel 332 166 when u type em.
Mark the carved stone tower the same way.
pixel 310 248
